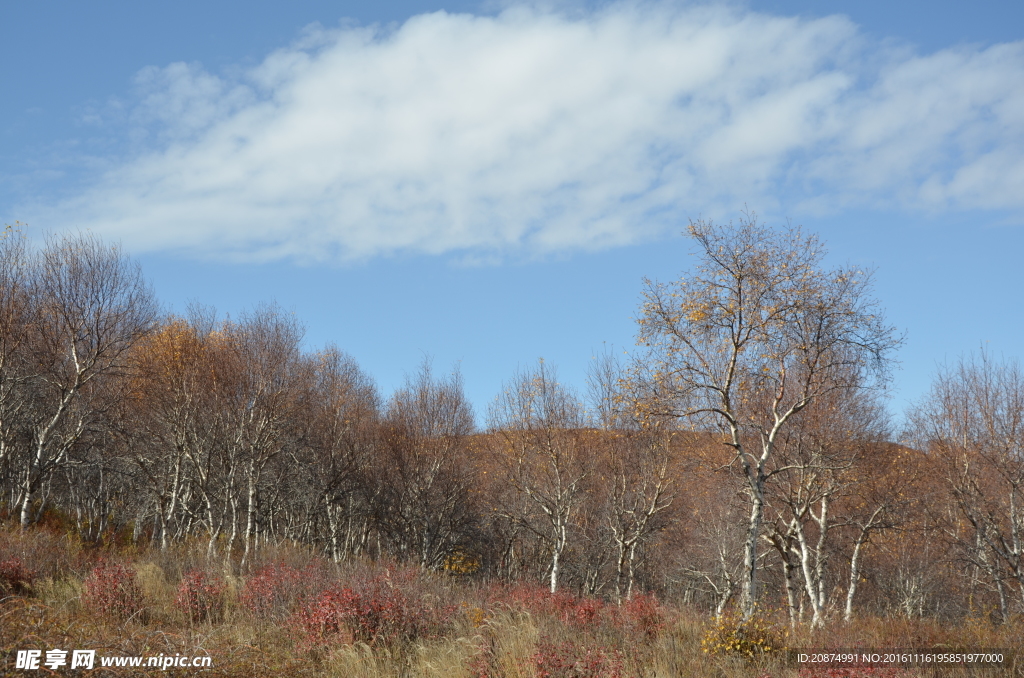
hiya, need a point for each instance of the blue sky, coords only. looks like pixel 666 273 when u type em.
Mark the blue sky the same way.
pixel 487 184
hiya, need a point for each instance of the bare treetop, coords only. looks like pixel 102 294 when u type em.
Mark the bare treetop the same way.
pixel 759 327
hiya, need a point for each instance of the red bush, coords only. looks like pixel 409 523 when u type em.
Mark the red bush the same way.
pixel 15 577
pixel 567 660
pixel 641 615
pixel 483 664
pixel 383 610
pixel 201 596
pixel 325 619
pixel 275 589
pixel 585 613
pixel 578 613
pixel 863 672
pixel 111 589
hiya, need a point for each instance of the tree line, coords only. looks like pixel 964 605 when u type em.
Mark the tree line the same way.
pixel 743 456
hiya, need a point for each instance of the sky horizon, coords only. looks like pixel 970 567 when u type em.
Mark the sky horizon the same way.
pixel 488 184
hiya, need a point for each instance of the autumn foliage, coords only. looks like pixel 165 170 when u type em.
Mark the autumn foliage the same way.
pixel 111 589
pixel 201 596
pixel 383 610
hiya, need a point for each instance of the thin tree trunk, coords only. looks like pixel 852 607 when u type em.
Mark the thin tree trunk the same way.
pixel 748 593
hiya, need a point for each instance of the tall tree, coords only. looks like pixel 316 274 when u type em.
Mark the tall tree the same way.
pixel 17 310
pixel 637 469
pixel 973 422
pixel 426 509
pixel 341 419
pixel 93 307
pixel 818 461
pixel 171 446
pixel 259 389
pixel 545 455
pixel 747 340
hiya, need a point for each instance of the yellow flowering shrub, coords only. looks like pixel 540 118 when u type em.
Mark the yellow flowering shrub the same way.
pixel 730 635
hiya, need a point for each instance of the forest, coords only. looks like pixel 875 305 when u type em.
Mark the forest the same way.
pixel 733 487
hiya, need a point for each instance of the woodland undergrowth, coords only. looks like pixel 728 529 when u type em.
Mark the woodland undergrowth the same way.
pixel 293 613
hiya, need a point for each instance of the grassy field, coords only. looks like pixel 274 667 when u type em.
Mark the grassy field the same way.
pixel 293 613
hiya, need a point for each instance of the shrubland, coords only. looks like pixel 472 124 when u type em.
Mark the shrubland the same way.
pixel 294 612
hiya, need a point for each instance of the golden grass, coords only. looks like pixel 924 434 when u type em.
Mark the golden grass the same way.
pixel 487 638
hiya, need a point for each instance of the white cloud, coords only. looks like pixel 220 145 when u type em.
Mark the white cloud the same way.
pixel 536 132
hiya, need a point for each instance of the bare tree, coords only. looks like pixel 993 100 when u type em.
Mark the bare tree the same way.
pixel 710 561
pixel 641 492
pixel 885 494
pixel 427 510
pixel 17 310
pixel 637 469
pixel 749 339
pixel 171 436
pixel 544 453
pixel 817 463
pixel 94 305
pixel 973 421
pixel 259 389
pixel 341 419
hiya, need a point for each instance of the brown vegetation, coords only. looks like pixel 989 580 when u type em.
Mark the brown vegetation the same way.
pixel 298 613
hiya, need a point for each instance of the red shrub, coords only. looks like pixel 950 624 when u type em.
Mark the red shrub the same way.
pixel 325 619
pixel 201 596
pixel 111 589
pixel 864 672
pixel 484 662
pixel 15 577
pixel 383 610
pixel 275 589
pixel 575 612
pixel 567 660
pixel 641 615
pixel 585 613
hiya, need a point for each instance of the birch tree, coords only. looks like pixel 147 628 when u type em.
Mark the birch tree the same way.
pixel 342 419
pixel 17 308
pixel 543 451
pixel 424 470
pixel 886 493
pixel 171 445
pixel 259 388
pixel 973 422
pixel 640 493
pixel 818 462
pixel 637 469
pixel 749 338
pixel 93 307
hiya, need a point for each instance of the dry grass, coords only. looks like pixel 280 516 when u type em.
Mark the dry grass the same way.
pixel 493 632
